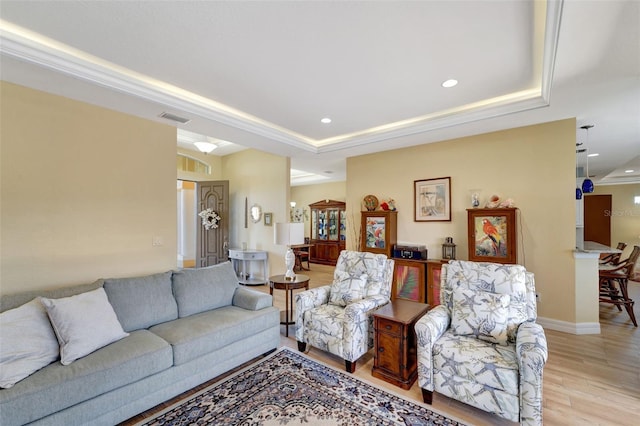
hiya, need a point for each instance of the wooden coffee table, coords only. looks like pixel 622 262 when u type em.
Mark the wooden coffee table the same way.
pixel 395 357
pixel 280 283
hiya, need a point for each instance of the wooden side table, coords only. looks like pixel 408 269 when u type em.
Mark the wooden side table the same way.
pixel 395 358
pixel 280 283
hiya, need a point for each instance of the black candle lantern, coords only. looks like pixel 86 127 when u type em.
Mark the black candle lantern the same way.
pixel 448 249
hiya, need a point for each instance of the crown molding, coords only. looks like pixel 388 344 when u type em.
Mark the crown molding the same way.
pixel 33 48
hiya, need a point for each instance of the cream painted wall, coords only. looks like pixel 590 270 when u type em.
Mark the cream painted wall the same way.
pixel 84 191
pixel 534 165
pixel 264 180
pixel 625 215
pixel 304 195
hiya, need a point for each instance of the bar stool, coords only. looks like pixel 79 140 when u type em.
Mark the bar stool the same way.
pixel 618 294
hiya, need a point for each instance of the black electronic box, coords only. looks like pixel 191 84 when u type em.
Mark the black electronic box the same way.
pixel 410 252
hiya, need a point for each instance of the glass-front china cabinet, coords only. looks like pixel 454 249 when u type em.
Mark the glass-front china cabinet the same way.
pixel 328 231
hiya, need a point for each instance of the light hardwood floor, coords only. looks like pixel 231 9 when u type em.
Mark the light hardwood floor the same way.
pixel 588 379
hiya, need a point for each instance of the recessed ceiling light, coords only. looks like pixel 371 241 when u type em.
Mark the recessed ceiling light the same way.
pixel 629 171
pixel 326 120
pixel 595 154
pixel 450 83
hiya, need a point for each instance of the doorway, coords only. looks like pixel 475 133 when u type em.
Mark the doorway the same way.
pixel 200 245
pixel 597 218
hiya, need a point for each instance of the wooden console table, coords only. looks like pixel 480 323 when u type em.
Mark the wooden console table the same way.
pixel 395 358
pixel 240 259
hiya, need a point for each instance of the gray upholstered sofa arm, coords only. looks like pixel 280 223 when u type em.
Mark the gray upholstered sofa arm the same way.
pixel 428 329
pixel 251 300
pixel 531 349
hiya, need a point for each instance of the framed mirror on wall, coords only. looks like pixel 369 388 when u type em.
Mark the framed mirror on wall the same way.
pixel 255 213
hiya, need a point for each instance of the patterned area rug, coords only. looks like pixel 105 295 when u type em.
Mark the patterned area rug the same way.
pixel 289 388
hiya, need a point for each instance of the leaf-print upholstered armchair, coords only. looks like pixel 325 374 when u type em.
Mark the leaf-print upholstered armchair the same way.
pixel 482 346
pixel 337 318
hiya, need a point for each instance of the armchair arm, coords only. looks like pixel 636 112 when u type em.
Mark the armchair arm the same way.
pixel 306 300
pixel 532 353
pixel 428 329
pixel 357 329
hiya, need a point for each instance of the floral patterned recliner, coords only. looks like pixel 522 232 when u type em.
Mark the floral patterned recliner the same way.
pixel 337 318
pixel 482 346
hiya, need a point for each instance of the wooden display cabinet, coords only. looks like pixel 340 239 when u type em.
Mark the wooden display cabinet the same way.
pixel 434 268
pixel 492 235
pixel 378 231
pixel 417 280
pixel 410 280
pixel 328 231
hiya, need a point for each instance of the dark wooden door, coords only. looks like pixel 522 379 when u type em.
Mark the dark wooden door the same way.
pixel 597 218
pixel 212 244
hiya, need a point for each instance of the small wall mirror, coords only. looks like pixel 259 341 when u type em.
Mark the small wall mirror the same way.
pixel 255 213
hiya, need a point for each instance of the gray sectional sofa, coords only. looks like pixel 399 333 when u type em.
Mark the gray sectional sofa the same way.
pixel 185 327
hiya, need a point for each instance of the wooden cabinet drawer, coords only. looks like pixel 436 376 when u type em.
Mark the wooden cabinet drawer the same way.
pixel 388 353
pixel 389 326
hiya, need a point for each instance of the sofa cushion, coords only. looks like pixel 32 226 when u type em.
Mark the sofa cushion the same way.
pixel 202 289
pixel 28 342
pixel 196 335
pixel 57 387
pixel 83 323
pixel 141 302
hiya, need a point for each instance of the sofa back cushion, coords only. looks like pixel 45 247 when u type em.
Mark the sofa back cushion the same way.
pixel 11 301
pixel 202 289
pixel 140 302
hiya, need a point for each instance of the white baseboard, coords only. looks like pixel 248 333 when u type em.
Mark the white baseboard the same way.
pixel 569 327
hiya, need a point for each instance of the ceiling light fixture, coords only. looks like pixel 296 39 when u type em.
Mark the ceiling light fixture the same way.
pixel 587 183
pixel 325 120
pixel 450 83
pixel 629 171
pixel 595 154
pixel 205 146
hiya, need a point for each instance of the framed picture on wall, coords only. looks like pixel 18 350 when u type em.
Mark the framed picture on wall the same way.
pixel 492 235
pixel 268 219
pixel 432 200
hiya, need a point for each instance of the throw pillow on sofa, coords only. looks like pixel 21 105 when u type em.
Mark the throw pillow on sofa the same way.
pixel 28 342
pixel 83 323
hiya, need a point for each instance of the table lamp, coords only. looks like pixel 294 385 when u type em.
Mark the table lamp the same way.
pixel 288 234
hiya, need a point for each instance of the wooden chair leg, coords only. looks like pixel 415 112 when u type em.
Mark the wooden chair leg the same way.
pixel 628 303
pixel 350 366
pixel 427 396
